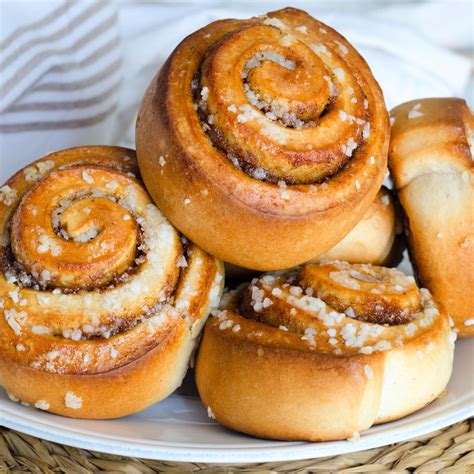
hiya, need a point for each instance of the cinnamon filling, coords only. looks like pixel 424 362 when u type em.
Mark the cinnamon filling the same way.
pixel 280 108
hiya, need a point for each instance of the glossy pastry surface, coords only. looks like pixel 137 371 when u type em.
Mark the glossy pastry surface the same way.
pixel 98 292
pixel 323 351
pixel 264 140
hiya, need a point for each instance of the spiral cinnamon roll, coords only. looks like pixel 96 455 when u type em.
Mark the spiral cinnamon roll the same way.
pixel 264 140
pixel 322 352
pixel 101 301
pixel 431 161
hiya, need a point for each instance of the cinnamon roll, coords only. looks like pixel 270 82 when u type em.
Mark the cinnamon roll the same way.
pixel 431 161
pixel 375 239
pixel 264 140
pixel 323 352
pixel 101 301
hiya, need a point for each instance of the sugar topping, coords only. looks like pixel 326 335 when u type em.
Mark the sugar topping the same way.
pixel 274 110
pixel 48 244
pixel 38 170
pixel 247 112
pixel 333 90
pixel 287 40
pixel 274 22
pixel 320 48
pixel 312 320
pixel 344 279
pixel 204 93
pixel 210 414
pixel 415 112
pixel 112 185
pixel 339 73
pixel 87 177
pixel 302 29
pixel 267 55
pixel 228 323
pixel 366 131
pixel 73 401
pixel 309 336
pixel 342 47
pixel 283 190
pixel 182 262
pixel 349 147
pixel 15 319
pixel 42 405
pixel 14 295
pixel 7 195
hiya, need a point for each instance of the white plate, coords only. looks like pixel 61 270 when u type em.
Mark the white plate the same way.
pixel 178 428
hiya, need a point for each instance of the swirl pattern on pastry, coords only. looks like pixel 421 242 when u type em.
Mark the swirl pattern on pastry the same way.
pixel 323 351
pixel 97 289
pixel 271 119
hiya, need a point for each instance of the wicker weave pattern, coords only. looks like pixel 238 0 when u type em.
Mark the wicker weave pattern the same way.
pixel 446 451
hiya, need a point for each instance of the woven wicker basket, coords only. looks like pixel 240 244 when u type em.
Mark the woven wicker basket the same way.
pixel 446 451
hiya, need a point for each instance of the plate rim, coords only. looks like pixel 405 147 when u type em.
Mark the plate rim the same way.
pixel 157 450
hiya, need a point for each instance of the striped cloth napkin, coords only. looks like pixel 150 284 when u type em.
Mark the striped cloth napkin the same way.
pixel 60 72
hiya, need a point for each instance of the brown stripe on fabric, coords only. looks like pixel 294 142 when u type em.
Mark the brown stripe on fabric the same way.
pixel 82 83
pixel 28 67
pixel 94 8
pixel 57 125
pixel 35 25
pixel 87 61
pixel 65 105
pixel 93 57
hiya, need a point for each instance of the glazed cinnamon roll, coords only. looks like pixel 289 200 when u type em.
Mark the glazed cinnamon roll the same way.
pixel 264 140
pixel 323 352
pixel 101 301
pixel 431 161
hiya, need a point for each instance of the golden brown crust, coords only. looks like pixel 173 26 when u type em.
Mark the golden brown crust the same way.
pixel 190 169
pixel 374 237
pixel 97 292
pixel 431 163
pixel 360 288
pixel 277 362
